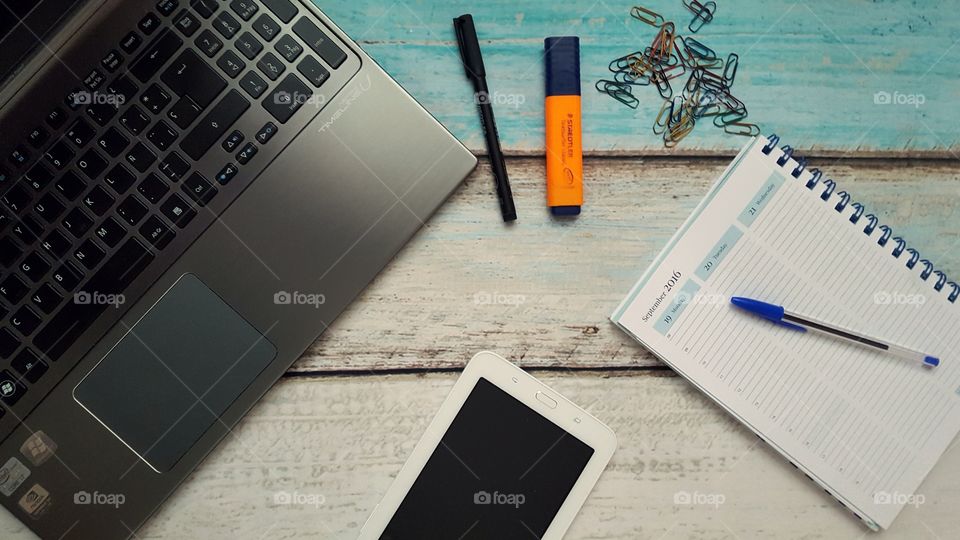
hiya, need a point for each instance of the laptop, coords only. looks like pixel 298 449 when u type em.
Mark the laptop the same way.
pixel 192 191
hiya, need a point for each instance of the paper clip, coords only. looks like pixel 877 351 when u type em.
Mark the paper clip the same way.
pixel 660 122
pixel 619 91
pixel 702 14
pixel 730 70
pixel 699 50
pixel 643 14
pixel 738 128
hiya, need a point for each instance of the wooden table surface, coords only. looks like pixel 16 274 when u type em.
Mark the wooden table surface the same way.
pixel 339 426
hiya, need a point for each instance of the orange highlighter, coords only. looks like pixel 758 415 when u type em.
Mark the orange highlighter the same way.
pixel 564 127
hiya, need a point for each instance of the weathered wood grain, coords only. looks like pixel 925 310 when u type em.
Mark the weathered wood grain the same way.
pixel 808 70
pixel 540 291
pixel 343 439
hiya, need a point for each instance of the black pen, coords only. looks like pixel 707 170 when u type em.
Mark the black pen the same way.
pixel 473 64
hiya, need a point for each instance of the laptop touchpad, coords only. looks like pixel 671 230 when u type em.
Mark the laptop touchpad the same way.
pixel 174 373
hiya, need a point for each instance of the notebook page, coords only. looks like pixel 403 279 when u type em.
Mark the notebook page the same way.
pixel 866 426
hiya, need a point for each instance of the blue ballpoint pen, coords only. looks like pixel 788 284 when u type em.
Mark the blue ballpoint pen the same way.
pixel 801 323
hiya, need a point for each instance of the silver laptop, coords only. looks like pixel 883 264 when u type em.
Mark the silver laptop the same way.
pixel 192 191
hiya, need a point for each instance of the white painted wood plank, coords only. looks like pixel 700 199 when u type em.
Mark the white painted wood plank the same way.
pixel 343 439
pixel 540 291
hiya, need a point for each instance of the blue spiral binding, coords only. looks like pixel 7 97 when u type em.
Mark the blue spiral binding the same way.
pixel 873 222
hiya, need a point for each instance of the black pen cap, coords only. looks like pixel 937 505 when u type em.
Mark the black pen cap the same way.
pixel 562 60
pixel 469 45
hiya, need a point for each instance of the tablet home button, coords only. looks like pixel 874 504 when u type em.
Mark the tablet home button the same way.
pixel 546 400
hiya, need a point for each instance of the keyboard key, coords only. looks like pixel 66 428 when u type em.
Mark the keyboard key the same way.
pixel 183 112
pixel 76 98
pixel 49 208
pixel 246 154
pixel 25 320
pixel 316 39
pixel 17 198
pixel 131 42
pixel 132 210
pixel 199 189
pixel 287 98
pixel 89 254
pixel 266 27
pixel 98 200
pixel 153 188
pixel 13 289
pixel 4 176
pixel 248 45
pixel 93 80
pixel 111 62
pixel 74 319
pixel 283 9
pixel 155 99
pixel 231 64
pixel 209 130
pixel 8 343
pixel 80 133
pixel 141 157
pixel 226 25
pixel 244 8
pixel 162 136
pixel 253 84
pixel 166 7
pixel 10 251
pixel 288 48
pixel 27 230
pixel 208 43
pixel 70 185
pixel 101 113
pixel 148 24
pixel 67 276
pixel 19 156
pixel 157 232
pixel 92 164
pixel 232 142
pixel 187 23
pixel 161 49
pixel 119 179
pixel 38 137
pixel 46 298
pixel 11 390
pixel 189 75
pixel 38 177
pixel 313 70
pixel 56 244
pixel 110 232
pixel 77 223
pixel 227 173
pixel 177 210
pixel 113 142
pixel 174 167
pixel 135 120
pixel 28 364
pixel 122 89
pixel 204 8
pixel 34 267
pixel 271 66
pixel 56 118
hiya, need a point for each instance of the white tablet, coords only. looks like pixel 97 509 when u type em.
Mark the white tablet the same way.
pixel 506 457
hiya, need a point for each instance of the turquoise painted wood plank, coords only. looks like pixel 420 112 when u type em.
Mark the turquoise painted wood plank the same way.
pixel 808 70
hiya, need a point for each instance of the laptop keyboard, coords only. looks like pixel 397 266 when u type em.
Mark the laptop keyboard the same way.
pixel 105 186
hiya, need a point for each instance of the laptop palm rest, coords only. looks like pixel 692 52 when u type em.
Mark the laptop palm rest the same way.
pixel 174 373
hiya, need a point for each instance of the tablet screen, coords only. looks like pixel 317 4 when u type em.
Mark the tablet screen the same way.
pixel 500 471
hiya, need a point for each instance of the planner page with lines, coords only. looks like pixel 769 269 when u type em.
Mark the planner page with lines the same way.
pixel 865 425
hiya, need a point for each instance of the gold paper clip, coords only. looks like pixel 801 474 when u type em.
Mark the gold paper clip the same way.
pixel 643 14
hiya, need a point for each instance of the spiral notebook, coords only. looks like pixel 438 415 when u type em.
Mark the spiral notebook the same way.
pixel 865 426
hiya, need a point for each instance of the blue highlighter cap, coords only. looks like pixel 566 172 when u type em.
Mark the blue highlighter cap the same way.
pixel 562 59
